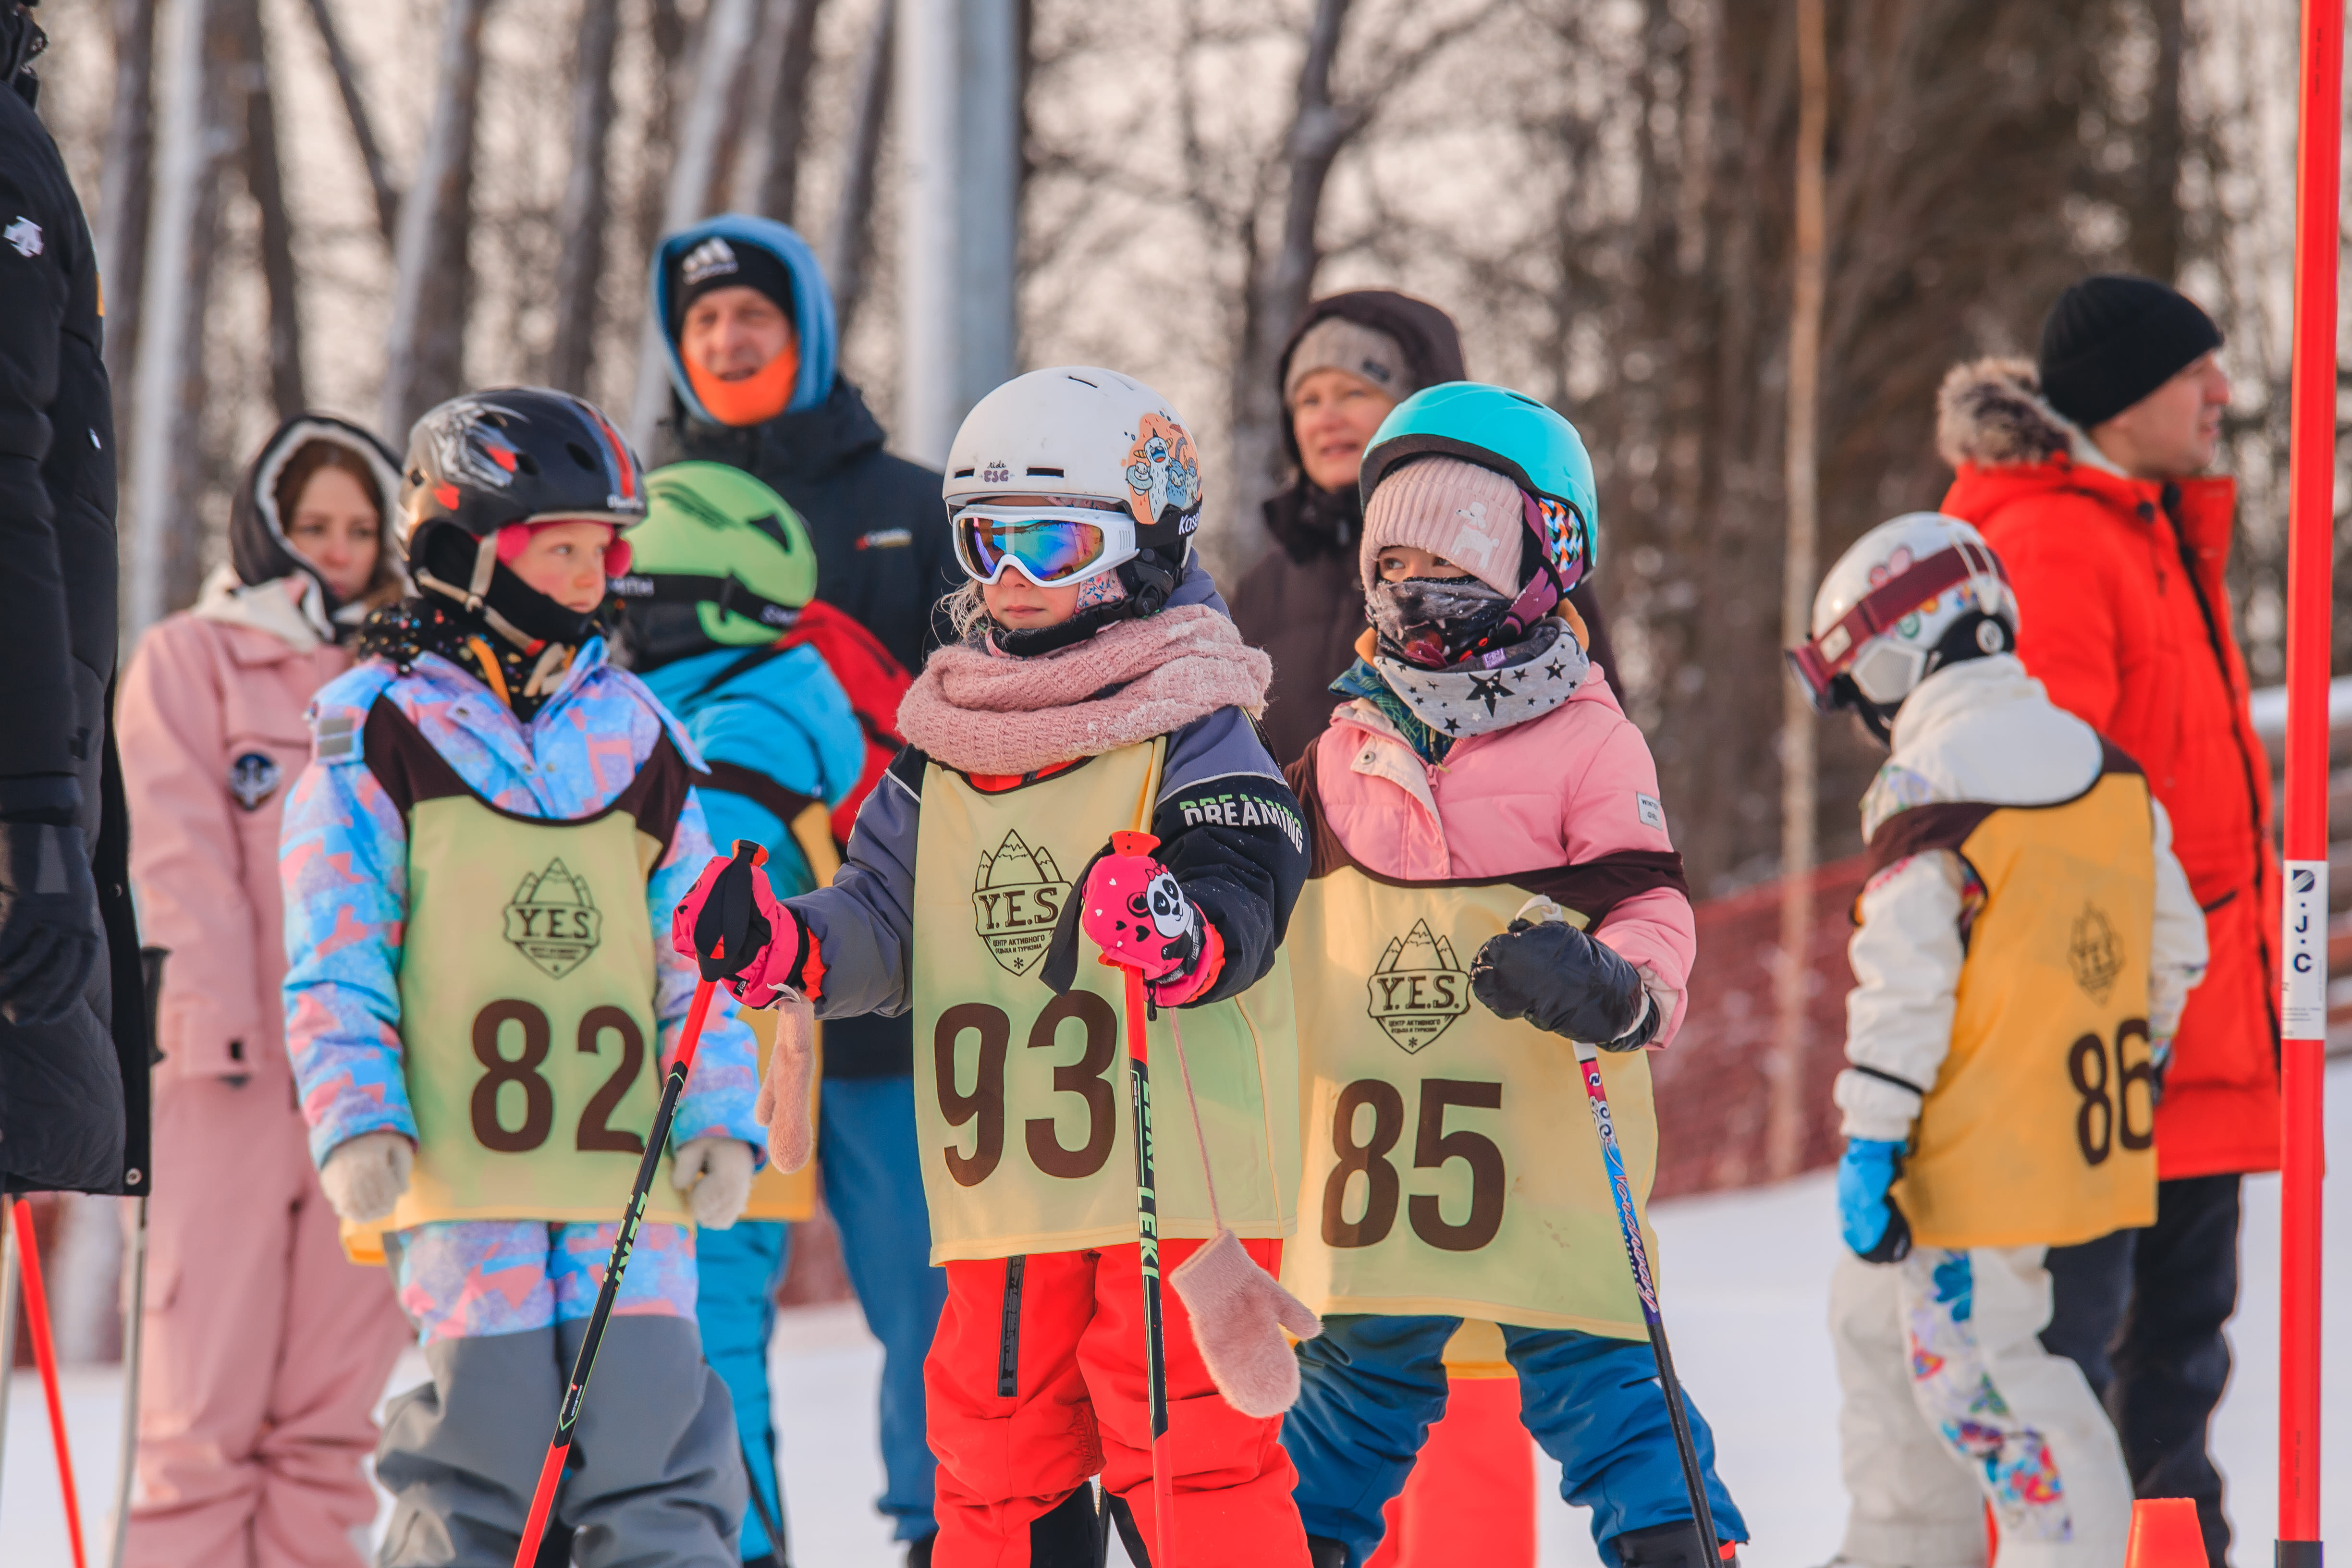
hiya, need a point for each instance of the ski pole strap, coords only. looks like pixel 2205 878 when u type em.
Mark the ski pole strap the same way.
pixel 729 924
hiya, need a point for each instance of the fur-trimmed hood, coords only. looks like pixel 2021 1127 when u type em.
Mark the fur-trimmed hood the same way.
pixel 1991 414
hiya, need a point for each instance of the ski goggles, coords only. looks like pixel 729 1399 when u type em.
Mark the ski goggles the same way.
pixel 1852 651
pixel 1052 546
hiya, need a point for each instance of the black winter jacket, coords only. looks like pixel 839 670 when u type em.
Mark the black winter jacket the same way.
pixel 73 1094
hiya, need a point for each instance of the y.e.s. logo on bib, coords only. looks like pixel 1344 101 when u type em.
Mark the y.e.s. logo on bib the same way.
pixel 554 920
pixel 2094 953
pixel 1016 897
pixel 1418 989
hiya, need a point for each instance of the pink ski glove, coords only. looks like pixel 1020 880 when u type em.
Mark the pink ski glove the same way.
pixel 1136 912
pixel 732 894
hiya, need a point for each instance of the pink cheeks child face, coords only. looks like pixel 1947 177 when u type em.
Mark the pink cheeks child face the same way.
pixel 1022 605
pixel 565 561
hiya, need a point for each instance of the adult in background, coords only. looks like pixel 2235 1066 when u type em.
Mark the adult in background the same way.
pixel 747 324
pixel 266 1349
pixel 73 1025
pixel 1354 357
pixel 2083 472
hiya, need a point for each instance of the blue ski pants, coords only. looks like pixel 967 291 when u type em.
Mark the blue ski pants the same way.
pixel 1371 1386
pixel 873 1188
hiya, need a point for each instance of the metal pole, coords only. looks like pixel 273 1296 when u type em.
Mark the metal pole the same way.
pixel 134 1333
pixel 2311 530
pixel 7 1319
pixel 958 112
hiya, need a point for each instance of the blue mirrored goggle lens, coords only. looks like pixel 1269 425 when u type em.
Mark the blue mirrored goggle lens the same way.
pixel 1046 551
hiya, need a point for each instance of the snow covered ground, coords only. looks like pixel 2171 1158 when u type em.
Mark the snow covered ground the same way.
pixel 1746 1293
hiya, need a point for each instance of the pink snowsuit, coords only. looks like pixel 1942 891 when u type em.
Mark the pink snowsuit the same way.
pixel 266 1349
pixel 1568 787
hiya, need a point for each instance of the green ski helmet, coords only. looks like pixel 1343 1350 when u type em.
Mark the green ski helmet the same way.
pixel 719 541
pixel 1518 438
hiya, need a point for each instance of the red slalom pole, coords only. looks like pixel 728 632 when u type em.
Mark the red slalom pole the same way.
pixel 45 1356
pixel 2311 527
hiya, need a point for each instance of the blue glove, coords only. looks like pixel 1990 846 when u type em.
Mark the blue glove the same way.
pixel 1874 1228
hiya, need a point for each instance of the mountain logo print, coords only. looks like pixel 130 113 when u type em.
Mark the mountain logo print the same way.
pixel 553 922
pixel 1418 989
pixel 1017 897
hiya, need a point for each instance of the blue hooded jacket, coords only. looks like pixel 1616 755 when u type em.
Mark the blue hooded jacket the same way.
pixel 884 554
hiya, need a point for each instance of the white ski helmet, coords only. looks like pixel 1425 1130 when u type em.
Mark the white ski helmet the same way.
pixel 1915 594
pixel 1082 431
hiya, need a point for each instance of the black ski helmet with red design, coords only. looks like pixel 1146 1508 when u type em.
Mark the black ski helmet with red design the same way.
pixel 517 454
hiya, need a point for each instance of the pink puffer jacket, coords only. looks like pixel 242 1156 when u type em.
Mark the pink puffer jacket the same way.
pixel 1561 790
pixel 209 720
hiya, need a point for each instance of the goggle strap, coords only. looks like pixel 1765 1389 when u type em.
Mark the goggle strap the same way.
pixel 1820 659
pixel 730 593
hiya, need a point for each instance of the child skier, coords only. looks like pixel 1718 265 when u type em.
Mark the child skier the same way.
pixel 2023 949
pixel 493 821
pixel 1099 688
pixel 721 574
pixel 1481 763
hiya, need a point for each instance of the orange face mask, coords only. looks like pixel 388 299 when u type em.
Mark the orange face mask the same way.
pixel 754 400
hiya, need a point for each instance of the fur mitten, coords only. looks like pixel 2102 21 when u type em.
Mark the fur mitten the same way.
pixel 365 1177
pixel 784 1107
pixel 1239 1311
pixel 715 1175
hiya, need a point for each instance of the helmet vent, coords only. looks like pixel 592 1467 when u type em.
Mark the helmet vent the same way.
pixel 1082 381
pixel 527 463
pixel 582 456
pixel 1051 473
pixel 965 473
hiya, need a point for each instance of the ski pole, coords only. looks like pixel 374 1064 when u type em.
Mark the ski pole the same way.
pixel 45 1356
pixel 1147 1225
pixel 1629 1226
pixel 134 1325
pixel 735 905
pixel 777 1554
pixel 7 1316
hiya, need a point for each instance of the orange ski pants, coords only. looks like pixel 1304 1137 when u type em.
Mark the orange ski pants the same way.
pixel 1036 1382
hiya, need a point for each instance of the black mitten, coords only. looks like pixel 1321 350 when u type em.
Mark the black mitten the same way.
pixel 1563 982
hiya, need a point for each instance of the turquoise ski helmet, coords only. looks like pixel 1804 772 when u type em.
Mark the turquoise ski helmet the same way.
pixel 1518 438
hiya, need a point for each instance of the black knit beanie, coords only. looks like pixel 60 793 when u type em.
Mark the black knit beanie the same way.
pixel 2111 339
pixel 721 263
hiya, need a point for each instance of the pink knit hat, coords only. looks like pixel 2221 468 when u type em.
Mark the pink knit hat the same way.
pixel 1467 514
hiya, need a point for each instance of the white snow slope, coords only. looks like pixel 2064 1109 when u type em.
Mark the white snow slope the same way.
pixel 1746 1295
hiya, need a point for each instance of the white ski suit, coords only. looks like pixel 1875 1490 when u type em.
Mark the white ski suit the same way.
pixel 1950 1399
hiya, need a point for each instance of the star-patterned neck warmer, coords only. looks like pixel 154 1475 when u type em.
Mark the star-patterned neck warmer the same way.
pixel 1526 680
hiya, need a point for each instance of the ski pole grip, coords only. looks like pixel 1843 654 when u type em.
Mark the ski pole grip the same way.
pixel 729 930
pixel 1138 844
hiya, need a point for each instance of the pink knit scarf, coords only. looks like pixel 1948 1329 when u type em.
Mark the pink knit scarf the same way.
pixel 978 713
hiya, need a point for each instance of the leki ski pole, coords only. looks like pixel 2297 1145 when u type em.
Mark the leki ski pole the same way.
pixel 1629 1226
pixel 731 897
pixel 44 1355
pixel 1147 1225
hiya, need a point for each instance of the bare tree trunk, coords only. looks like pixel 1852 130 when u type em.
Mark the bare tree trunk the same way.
pixel 126 193
pixel 579 221
pixel 768 185
pixel 666 33
pixel 163 559
pixel 265 182
pixel 849 246
pixel 1280 283
pixel 433 282
pixel 1785 1118
pixel 714 118
pixel 2157 213
pixel 347 83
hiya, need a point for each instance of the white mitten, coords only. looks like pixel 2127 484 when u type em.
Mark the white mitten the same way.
pixel 715 1174
pixel 365 1177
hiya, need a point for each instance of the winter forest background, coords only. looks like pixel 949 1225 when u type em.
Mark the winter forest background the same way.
pixel 1600 190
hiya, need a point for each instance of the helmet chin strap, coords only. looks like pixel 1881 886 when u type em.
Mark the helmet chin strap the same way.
pixel 475 599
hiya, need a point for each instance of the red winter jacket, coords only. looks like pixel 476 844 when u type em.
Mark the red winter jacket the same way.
pixel 2125 620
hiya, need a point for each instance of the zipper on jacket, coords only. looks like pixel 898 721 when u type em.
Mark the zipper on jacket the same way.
pixel 2171 494
pixel 1008 1343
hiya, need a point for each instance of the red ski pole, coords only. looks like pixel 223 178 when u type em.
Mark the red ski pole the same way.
pixel 1147 1225
pixel 735 921
pixel 45 1356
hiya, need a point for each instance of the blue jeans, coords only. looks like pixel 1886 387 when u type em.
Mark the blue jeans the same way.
pixel 1372 1386
pixel 873 1188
